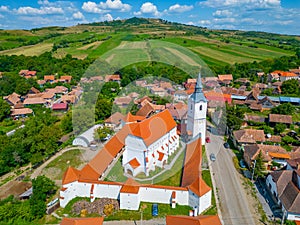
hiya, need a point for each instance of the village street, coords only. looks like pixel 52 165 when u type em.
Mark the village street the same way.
pixel 234 206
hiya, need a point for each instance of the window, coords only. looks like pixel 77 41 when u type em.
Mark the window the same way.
pixel 200 107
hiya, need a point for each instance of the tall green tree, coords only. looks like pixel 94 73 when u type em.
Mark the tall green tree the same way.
pixel 4 109
pixel 290 87
pixel 285 109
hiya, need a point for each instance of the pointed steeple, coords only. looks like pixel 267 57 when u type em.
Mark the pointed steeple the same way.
pixel 198 95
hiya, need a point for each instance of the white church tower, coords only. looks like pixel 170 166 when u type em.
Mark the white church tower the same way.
pixel 197 108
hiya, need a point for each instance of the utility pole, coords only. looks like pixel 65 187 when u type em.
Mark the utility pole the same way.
pixel 253 170
pixel 283 216
pixel 141 217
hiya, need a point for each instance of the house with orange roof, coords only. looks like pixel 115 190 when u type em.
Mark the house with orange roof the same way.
pixel 65 79
pixel 113 78
pixel 193 220
pixel 288 76
pixel 49 78
pixel 82 221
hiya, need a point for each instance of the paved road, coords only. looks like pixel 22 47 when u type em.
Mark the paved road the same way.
pixel 234 207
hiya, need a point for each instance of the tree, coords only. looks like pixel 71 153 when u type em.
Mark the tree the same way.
pixel 290 87
pixel 259 166
pixel 4 109
pixel 285 109
pixel 279 128
pixel 103 108
pixel 102 132
pixel 234 116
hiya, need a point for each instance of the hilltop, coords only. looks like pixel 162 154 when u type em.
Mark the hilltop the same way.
pixel 216 47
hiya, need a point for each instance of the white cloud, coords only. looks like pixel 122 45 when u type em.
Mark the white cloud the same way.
pixel 224 20
pixel 78 16
pixel 222 13
pixel 40 11
pixel 43 2
pixel 4 8
pixel 204 22
pixel 115 4
pixel 148 8
pixel 104 7
pixel 242 3
pixel 107 17
pixel 180 8
pixel 190 23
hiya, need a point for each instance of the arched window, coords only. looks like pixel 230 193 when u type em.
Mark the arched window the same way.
pixel 200 107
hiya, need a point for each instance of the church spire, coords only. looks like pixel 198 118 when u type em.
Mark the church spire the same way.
pixel 198 95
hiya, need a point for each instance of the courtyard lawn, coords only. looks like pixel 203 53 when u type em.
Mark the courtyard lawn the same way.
pixel 56 169
pixel 116 173
pixel 146 208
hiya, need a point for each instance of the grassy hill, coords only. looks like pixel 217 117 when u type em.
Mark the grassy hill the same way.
pixel 215 47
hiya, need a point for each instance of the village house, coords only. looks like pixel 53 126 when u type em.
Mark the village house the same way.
pixel 49 78
pixel 278 118
pixel 113 78
pixel 225 78
pixel 274 76
pixel 285 187
pixel 293 164
pixel 146 110
pixel 22 112
pixel 13 99
pixel 158 91
pixel 284 76
pixel 28 74
pixel 34 101
pixel 262 104
pixel 122 102
pixel 65 79
pixel 178 111
pixel 180 95
pixel 60 107
pixel 270 153
pixel 114 121
pixel 248 136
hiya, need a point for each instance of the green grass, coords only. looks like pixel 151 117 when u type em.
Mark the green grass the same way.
pixel 207 178
pixel 8 125
pixel 116 173
pixel 163 211
pixel 57 167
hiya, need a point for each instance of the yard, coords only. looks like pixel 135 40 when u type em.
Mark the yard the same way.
pixel 56 169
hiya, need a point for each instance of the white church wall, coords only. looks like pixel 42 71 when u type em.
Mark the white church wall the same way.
pixel 161 195
pixel 129 201
pixel 107 191
pixel 134 148
pixel 204 202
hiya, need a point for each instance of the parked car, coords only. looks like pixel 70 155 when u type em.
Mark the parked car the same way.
pixel 242 164
pixel 155 210
pixel 207 139
pixel 226 145
pixel 212 157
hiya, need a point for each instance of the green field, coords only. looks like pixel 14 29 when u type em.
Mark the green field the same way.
pixel 214 47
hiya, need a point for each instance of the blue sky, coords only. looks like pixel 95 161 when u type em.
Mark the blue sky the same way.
pixel 278 16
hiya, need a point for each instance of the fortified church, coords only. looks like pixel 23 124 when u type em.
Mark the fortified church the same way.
pixel 145 145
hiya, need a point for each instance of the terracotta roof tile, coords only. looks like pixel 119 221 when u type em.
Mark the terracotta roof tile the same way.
pixel 278 118
pixel 130 186
pixel 134 163
pixel 249 136
pixel 70 176
pixel 34 101
pixel 115 118
pixel 193 220
pixel 225 77
pixel 82 221
pixel 49 77
pixel 22 111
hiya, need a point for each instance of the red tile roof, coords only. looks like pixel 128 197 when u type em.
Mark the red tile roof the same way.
pixel 225 77
pixel 49 77
pixel 70 175
pixel 60 106
pixel 82 221
pixel 134 163
pixel 22 111
pixel 130 186
pixel 196 220
pixel 191 177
